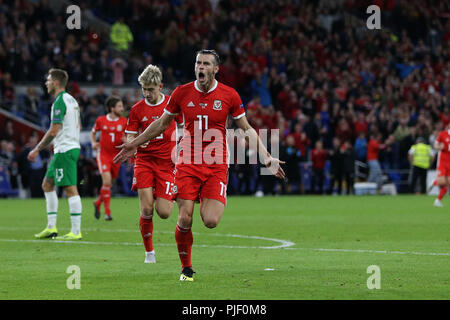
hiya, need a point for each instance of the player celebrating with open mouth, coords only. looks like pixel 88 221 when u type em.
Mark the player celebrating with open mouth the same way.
pixel 205 105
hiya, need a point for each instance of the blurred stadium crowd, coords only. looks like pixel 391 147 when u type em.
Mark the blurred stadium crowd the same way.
pixel 309 68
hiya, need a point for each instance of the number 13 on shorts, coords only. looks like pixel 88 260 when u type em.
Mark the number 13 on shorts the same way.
pixel 169 188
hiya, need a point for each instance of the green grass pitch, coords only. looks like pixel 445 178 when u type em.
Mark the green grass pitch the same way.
pixel 272 248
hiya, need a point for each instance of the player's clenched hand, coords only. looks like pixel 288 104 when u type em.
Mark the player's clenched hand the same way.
pixel 95 146
pixel 274 165
pixel 128 151
pixel 32 155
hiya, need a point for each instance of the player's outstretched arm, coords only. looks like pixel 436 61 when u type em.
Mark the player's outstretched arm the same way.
pixel 438 145
pixel 273 164
pixel 153 130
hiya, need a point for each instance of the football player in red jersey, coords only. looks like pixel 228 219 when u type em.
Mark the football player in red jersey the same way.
pixel 154 176
pixel 442 144
pixel 205 105
pixel 111 127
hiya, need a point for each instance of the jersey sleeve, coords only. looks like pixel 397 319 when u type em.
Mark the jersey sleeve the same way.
pixel 173 108
pixel 179 119
pixel 440 137
pixel 97 125
pixel 237 107
pixel 58 111
pixel 132 123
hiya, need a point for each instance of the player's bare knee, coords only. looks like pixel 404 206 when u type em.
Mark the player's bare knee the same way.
pixel 184 221
pixel 47 186
pixel 210 222
pixel 163 213
pixel 163 209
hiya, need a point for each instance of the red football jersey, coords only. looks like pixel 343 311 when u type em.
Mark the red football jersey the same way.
pixel 444 154
pixel 205 117
pixel 142 114
pixel 111 133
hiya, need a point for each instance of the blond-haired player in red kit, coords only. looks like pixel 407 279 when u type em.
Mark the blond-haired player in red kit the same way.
pixel 154 176
pixel 442 144
pixel 205 105
pixel 111 127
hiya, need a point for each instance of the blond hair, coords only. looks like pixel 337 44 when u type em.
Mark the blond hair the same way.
pixel 150 76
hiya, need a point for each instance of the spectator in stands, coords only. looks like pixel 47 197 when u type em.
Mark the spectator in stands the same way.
pixel 336 166
pixel 318 157
pixel 260 87
pixel 348 160
pixel 361 147
pixel 8 160
pixel 30 104
pixel 292 156
pixel 118 65
pixel 121 36
pixel 32 173
pixel 92 112
pixel 373 149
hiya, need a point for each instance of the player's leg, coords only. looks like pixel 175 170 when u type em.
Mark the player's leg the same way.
pixel 164 193
pixel 163 207
pixel 105 193
pixel 184 237
pixel 66 177
pixel 189 179
pixel 211 211
pixel 51 200
pixel 213 197
pixel 146 222
pixel 442 182
pixel 75 209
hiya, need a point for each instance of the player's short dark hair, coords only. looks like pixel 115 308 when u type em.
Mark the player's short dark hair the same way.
pixel 111 102
pixel 60 75
pixel 211 52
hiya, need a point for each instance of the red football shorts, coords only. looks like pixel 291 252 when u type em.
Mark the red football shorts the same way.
pixel 443 170
pixel 105 163
pixel 195 182
pixel 157 174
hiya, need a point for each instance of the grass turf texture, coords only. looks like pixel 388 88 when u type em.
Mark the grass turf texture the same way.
pixel 399 234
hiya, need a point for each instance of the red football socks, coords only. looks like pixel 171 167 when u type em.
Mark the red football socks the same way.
pixel 105 193
pixel 442 193
pixel 146 226
pixel 184 241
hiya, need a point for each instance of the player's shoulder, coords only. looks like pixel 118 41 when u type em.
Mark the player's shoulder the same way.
pixel 137 106
pixel 67 98
pixel 184 89
pixel 223 87
pixel 102 118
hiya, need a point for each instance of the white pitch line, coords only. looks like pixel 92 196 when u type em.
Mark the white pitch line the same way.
pixel 231 247
pixel 373 251
pixel 130 243
pixel 283 243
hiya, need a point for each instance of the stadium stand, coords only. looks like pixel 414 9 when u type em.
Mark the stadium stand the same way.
pixel 310 68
